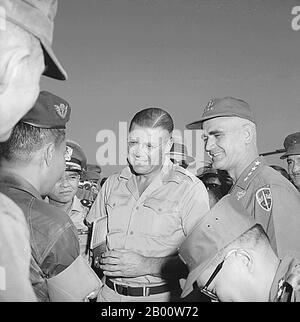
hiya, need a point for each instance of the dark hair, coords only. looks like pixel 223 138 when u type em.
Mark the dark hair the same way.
pixel 153 117
pixel 26 139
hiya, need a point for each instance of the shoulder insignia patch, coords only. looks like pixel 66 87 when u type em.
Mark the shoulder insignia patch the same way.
pixel 264 198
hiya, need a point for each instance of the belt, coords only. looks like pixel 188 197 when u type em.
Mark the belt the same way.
pixel 137 291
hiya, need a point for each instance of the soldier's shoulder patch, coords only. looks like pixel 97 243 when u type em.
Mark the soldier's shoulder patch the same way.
pixel 264 198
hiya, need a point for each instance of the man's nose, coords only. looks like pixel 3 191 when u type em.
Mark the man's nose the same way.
pixel 209 144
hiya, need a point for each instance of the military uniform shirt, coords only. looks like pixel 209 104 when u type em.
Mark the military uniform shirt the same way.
pixel 53 236
pixel 78 214
pixel 273 202
pixel 15 254
pixel 289 271
pixel 155 223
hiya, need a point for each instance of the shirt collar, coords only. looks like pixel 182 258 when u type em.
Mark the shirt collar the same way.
pixel 281 275
pixel 76 205
pixel 15 181
pixel 250 173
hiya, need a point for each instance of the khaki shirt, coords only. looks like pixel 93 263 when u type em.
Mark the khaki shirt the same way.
pixel 15 254
pixel 78 214
pixel 155 223
pixel 273 202
pixel 288 271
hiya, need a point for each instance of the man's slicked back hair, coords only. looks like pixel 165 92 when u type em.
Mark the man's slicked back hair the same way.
pixel 153 117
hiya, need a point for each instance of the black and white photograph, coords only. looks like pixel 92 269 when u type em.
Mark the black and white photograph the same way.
pixel 149 154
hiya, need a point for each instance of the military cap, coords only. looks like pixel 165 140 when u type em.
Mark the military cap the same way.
pixel 179 152
pixel 91 175
pixel 292 145
pixel 207 170
pixel 37 18
pixel 223 107
pixel 75 157
pixel 93 167
pixel 48 112
pixel 225 222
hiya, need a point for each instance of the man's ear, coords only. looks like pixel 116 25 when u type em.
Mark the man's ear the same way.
pixel 49 153
pixel 169 145
pixel 246 258
pixel 248 133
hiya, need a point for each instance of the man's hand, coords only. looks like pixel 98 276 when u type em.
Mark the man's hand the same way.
pixel 124 263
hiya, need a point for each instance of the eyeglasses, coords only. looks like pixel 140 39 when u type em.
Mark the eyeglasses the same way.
pixel 146 146
pixel 204 289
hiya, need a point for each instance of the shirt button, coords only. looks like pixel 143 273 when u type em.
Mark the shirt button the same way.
pixel 137 207
pixel 131 233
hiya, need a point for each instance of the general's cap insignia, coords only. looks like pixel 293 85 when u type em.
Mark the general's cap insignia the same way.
pixel 61 110
pixel 68 153
pixel 209 105
pixel 264 198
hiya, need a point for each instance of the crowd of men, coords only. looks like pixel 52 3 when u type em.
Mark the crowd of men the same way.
pixel 153 231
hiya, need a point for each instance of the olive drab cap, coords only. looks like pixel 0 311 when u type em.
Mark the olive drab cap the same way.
pixel 226 221
pixel 48 112
pixel 37 18
pixel 223 107
pixel 92 175
pixel 76 159
pixel 179 152
pixel 291 145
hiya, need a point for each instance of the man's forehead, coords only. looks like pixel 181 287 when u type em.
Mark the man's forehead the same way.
pixel 146 134
pixel 220 124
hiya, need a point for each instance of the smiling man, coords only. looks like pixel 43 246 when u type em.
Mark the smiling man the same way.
pixel 63 194
pixel 148 208
pixel 292 155
pixel 229 132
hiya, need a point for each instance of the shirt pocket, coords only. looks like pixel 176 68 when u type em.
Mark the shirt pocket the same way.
pixel 117 208
pixel 160 218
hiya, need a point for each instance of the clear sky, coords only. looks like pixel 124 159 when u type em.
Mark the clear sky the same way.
pixel 124 55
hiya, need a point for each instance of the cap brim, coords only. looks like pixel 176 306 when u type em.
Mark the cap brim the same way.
pixel 192 277
pixel 284 156
pixel 70 166
pixel 199 124
pixel 53 67
pixel 182 157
